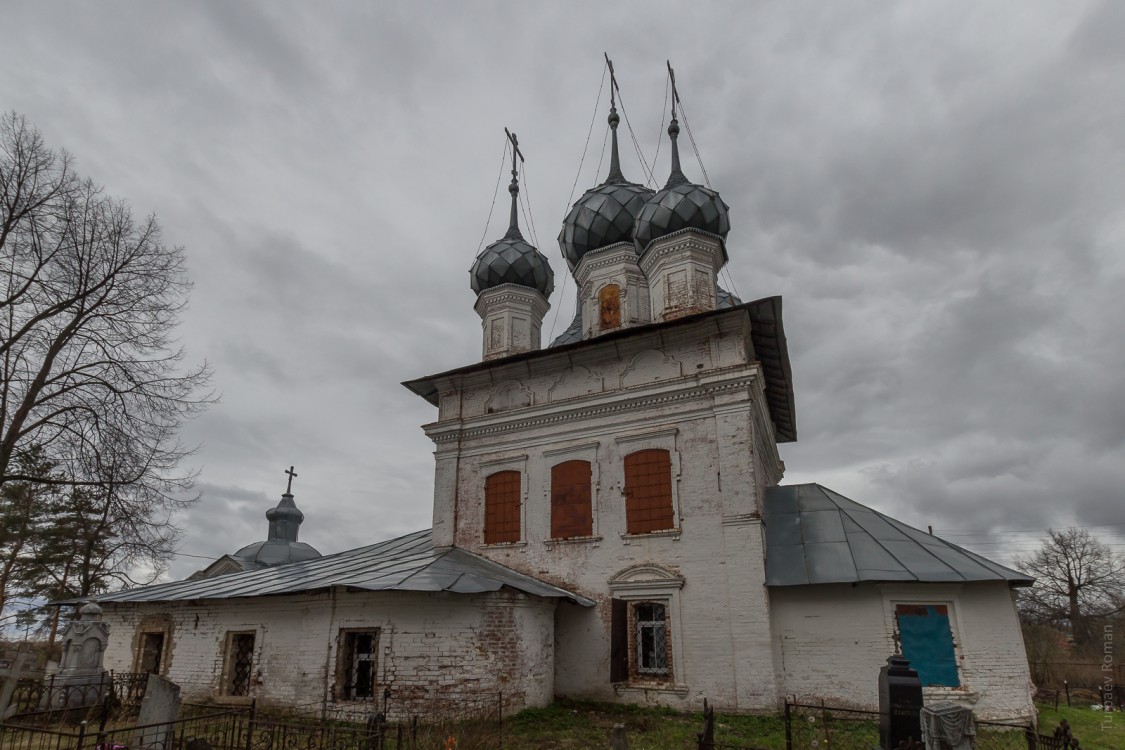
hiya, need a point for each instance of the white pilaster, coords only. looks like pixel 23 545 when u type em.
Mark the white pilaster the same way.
pixel 511 319
pixel 681 269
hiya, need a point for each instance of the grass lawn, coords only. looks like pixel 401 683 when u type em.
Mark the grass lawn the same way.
pixel 572 724
pixel 1096 730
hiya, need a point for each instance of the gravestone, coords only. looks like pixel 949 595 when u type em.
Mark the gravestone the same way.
pixel 948 726
pixel 10 677
pixel 900 704
pixel 159 708
pixel 81 681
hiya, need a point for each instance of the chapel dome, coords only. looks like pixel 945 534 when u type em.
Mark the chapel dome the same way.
pixel 512 260
pixel 680 205
pixel 604 215
pixel 276 552
pixel 281 546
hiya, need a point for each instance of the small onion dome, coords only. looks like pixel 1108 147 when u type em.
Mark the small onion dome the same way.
pixel 604 215
pixel 512 260
pixel 680 205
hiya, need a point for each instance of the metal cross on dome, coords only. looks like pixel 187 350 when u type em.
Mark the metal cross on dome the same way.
pixel 289 487
pixel 612 82
pixel 675 93
pixel 515 152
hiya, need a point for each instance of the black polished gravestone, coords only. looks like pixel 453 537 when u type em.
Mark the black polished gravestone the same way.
pixel 900 705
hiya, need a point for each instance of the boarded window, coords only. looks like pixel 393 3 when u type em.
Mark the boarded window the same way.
pixel 927 641
pixel 502 507
pixel 648 491
pixel 571 512
pixel 357 662
pixel 240 663
pixel 609 307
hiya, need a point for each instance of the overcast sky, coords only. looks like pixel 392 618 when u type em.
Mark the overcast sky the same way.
pixel 936 190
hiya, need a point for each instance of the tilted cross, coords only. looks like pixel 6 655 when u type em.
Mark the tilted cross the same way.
pixel 515 151
pixel 675 93
pixel 289 487
pixel 612 81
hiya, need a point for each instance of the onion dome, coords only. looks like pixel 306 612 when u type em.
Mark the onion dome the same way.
pixel 680 205
pixel 512 259
pixel 606 214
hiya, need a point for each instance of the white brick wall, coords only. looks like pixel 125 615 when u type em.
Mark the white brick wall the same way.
pixel 832 640
pixel 693 390
pixel 427 642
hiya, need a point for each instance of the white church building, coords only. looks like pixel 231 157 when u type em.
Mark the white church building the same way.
pixel 609 521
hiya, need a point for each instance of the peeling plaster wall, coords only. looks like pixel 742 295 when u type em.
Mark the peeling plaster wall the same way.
pixel 832 640
pixel 427 643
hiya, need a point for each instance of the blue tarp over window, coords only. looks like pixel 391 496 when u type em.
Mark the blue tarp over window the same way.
pixel 927 641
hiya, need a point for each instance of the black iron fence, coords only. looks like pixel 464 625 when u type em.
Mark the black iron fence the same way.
pixel 50 697
pixel 823 727
pixel 221 730
pixel 465 720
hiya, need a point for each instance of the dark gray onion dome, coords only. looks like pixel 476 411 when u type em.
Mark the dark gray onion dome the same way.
pixel 512 260
pixel 606 214
pixel 680 205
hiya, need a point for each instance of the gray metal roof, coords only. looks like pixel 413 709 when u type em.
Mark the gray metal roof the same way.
pixel 408 563
pixel 815 535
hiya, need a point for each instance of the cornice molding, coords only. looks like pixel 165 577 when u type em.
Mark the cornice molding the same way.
pixel 464 430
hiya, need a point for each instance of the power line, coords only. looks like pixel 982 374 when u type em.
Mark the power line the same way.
pixel 495 192
pixel 573 187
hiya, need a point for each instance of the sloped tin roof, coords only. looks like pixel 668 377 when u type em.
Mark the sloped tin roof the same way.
pixel 408 563
pixel 815 535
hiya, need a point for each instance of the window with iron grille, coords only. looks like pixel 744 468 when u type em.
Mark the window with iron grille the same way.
pixel 502 507
pixel 357 664
pixel 240 663
pixel 571 512
pixel 648 492
pixel 650 638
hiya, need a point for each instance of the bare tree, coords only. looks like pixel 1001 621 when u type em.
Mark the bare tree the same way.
pixel 90 374
pixel 1078 580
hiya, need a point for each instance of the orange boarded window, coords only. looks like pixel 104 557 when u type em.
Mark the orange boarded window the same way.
pixel 502 507
pixel 609 307
pixel 648 491
pixel 571 514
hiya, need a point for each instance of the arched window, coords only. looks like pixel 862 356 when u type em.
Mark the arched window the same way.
pixel 648 491
pixel 502 507
pixel 609 307
pixel 571 512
